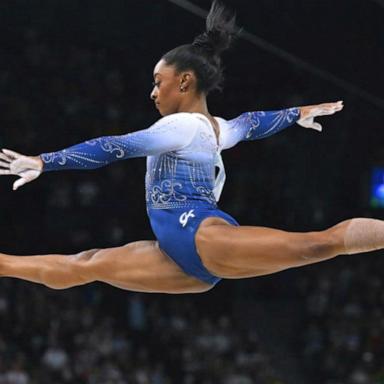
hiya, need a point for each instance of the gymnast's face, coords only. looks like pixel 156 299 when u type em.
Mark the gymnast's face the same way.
pixel 171 89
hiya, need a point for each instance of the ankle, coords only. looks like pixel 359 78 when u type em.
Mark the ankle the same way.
pixel 364 235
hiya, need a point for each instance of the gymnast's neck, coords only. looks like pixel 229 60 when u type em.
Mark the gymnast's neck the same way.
pixel 196 103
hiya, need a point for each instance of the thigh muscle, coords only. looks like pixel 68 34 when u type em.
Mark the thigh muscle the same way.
pixel 245 251
pixel 143 266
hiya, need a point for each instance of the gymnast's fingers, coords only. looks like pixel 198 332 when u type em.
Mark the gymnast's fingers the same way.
pixel 4 164
pixel 19 182
pixel 338 106
pixel 11 154
pixel 326 111
pixel 316 126
pixel 4 157
pixel 5 172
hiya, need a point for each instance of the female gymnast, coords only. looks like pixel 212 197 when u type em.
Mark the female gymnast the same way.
pixel 197 243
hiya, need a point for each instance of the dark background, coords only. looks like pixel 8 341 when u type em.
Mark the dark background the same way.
pixel 74 70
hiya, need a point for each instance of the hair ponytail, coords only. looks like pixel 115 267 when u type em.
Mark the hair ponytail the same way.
pixel 220 29
pixel 203 56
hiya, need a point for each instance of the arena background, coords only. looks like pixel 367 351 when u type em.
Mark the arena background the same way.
pixel 72 70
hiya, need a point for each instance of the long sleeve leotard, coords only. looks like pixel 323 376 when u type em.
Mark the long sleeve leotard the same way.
pixel 182 152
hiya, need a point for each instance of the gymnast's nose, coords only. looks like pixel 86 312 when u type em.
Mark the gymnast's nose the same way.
pixel 153 94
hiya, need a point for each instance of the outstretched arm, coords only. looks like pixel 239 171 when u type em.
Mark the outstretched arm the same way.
pixel 261 124
pixel 168 134
pixel 257 125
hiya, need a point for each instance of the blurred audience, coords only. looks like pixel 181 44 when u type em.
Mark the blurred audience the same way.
pixel 71 337
pixel 54 95
pixel 344 328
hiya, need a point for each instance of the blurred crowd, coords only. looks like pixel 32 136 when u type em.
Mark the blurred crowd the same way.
pixel 82 336
pixel 57 94
pixel 343 338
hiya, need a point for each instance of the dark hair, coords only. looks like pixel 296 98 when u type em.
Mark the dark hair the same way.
pixel 203 55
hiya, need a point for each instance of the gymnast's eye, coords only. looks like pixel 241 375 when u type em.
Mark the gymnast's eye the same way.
pixel 156 84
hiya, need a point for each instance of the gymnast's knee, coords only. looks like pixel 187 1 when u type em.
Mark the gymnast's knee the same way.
pixel 81 265
pixel 319 245
pixel 85 255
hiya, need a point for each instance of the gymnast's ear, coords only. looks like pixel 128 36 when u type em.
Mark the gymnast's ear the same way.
pixel 187 81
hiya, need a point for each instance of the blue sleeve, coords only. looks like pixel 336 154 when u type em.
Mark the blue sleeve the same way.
pixel 258 125
pixel 170 133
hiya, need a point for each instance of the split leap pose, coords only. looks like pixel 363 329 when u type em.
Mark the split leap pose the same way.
pixel 197 243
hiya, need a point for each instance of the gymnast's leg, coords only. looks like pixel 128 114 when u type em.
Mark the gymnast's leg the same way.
pixel 236 252
pixel 139 266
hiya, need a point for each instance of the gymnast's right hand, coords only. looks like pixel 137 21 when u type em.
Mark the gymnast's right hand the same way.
pixel 28 168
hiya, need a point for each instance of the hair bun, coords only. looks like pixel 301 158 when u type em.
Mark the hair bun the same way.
pixel 203 55
pixel 220 30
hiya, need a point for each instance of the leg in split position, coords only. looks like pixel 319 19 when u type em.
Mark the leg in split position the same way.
pixel 238 252
pixel 227 251
pixel 139 266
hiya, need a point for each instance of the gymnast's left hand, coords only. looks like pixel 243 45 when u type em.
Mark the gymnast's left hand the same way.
pixel 309 112
pixel 28 168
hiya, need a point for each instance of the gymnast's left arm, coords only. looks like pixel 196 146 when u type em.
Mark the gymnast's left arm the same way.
pixel 261 124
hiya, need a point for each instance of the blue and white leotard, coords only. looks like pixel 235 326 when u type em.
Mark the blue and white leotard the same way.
pixel 181 187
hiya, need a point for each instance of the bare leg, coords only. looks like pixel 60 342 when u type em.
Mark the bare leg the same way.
pixel 235 252
pixel 227 251
pixel 139 266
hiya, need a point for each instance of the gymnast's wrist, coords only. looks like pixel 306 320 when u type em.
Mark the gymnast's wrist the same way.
pixel 300 109
pixel 39 163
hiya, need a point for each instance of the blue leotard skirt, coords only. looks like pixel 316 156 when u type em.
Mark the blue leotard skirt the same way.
pixel 175 231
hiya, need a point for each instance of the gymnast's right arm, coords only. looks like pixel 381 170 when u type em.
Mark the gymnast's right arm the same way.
pixel 168 134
